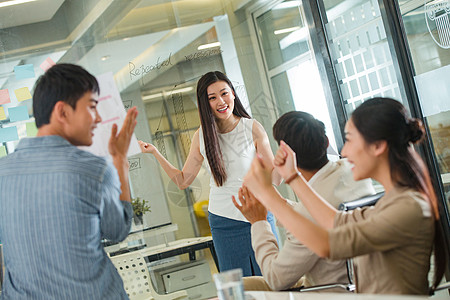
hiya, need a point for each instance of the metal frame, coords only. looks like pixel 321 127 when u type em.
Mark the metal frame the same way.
pixel 396 36
pixel 397 39
pixel 315 20
pixel 319 51
pixel 269 73
pixel 391 16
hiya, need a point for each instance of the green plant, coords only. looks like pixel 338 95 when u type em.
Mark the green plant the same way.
pixel 140 206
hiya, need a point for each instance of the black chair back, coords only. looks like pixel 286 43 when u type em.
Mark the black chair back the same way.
pixel 364 201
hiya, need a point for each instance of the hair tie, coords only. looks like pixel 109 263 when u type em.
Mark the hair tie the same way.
pixel 416 130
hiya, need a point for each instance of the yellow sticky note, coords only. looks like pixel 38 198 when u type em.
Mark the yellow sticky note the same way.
pixel 2 151
pixel 22 94
pixel 31 129
pixel 2 114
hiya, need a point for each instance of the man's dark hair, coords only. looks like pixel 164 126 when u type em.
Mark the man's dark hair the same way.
pixel 62 82
pixel 306 136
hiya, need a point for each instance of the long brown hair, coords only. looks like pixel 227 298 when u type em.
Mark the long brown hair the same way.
pixel 387 119
pixel 209 127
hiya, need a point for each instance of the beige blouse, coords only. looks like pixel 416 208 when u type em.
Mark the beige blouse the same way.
pixel 391 243
pixel 282 268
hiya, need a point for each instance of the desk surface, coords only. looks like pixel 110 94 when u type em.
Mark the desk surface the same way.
pixel 178 244
pixel 174 248
pixel 325 296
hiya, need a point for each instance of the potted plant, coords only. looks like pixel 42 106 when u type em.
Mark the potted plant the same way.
pixel 140 207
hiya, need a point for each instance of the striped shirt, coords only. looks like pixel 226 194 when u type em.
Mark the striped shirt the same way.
pixel 56 204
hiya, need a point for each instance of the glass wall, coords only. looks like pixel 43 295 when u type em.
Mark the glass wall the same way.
pixel 156 50
pixel 428 34
pixel 287 50
pixel 360 52
pixel 364 66
pixel 427 26
pixel 366 63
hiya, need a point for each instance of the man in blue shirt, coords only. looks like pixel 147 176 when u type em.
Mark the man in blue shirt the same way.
pixel 58 202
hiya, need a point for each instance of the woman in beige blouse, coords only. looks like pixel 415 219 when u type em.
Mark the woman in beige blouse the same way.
pixel 392 241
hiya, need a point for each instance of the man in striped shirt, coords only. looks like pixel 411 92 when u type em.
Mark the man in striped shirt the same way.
pixel 57 202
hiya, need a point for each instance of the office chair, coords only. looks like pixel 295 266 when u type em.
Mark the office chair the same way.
pixel 361 202
pixel 443 286
pixel 350 287
pixel 136 278
pixel 350 205
pixel 368 201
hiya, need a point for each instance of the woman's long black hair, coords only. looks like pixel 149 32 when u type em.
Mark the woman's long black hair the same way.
pixel 209 127
pixel 385 119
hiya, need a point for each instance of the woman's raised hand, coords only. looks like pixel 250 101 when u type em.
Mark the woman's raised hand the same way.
pixel 258 178
pixel 285 161
pixel 147 147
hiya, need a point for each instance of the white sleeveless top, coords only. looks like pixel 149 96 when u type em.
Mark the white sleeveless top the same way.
pixel 238 150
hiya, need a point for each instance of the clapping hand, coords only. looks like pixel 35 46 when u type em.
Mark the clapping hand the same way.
pixel 258 178
pixel 250 207
pixel 285 161
pixel 119 142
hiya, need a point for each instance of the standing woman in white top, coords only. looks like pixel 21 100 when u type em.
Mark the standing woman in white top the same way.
pixel 229 139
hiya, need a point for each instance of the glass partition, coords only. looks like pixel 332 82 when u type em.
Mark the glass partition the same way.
pixel 156 51
pixel 283 33
pixel 360 52
pixel 427 29
pixel 295 81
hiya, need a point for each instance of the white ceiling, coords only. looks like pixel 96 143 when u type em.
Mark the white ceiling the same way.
pixel 119 53
pixel 141 49
pixel 16 15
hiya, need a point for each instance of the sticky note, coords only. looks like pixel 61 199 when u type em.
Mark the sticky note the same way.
pixel 4 97
pixel 31 129
pixel 22 94
pixel 8 134
pixel 47 64
pixel 24 71
pixel 2 151
pixel 19 113
pixel 2 114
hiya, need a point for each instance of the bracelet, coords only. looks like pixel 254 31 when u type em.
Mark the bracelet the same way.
pixel 292 177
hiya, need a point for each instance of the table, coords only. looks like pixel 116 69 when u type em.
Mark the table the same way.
pixel 324 296
pixel 189 245
pixel 178 247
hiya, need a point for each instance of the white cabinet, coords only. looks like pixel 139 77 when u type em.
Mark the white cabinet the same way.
pixel 194 277
pixel 203 291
